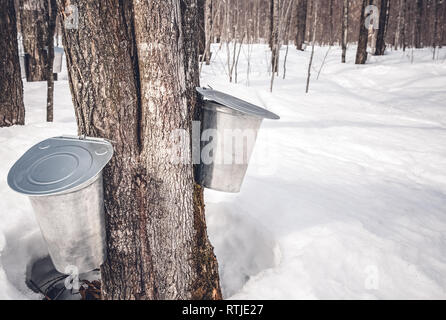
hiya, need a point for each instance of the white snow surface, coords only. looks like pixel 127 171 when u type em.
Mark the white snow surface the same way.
pixel 345 195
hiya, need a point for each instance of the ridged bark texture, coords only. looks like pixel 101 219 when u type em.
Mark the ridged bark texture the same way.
pixel 301 23
pixel 132 69
pixel 12 110
pixel 33 15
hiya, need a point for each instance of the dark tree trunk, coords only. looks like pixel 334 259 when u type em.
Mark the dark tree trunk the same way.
pixel 50 45
pixel 418 24
pixel 404 27
pixel 34 26
pixel 275 38
pixel 383 18
pixel 271 23
pixel 208 30
pixel 436 34
pixel 399 31
pixel 201 26
pixel 345 9
pixel 301 23
pixel 206 284
pixel 12 110
pixel 361 53
pixel 331 24
pixel 156 233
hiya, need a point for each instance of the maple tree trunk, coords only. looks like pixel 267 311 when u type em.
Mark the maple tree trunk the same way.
pixel 275 38
pixel 156 231
pixel 383 18
pixel 361 53
pixel 344 36
pixel 12 110
pixel 201 26
pixel 52 14
pixel 33 15
pixel 418 24
pixel 301 23
pixel 208 30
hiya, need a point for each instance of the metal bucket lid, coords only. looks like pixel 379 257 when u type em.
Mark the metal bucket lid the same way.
pixel 58 165
pixel 236 103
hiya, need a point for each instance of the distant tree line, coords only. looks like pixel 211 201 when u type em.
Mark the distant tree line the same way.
pixel 398 23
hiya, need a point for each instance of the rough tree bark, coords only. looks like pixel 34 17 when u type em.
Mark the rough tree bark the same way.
pixel 345 9
pixel 331 24
pixel 33 15
pixel 400 24
pixel 52 14
pixel 301 23
pixel 275 38
pixel 201 26
pixel 208 30
pixel 383 18
pixel 418 24
pixel 315 18
pixel 12 110
pixel 436 34
pixel 132 69
pixel 361 53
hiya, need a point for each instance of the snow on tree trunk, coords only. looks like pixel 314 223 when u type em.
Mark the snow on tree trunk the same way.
pixel 12 110
pixel 132 82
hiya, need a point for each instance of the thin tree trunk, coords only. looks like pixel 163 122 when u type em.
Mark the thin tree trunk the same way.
pixel 312 45
pixel 156 232
pixel 418 24
pixel 271 23
pixel 201 26
pixel 209 30
pixel 33 16
pixel 275 38
pixel 361 53
pixel 52 14
pixel 345 9
pixel 404 28
pixel 436 35
pixel 331 24
pixel 383 18
pixel 301 23
pixel 400 23
pixel 12 110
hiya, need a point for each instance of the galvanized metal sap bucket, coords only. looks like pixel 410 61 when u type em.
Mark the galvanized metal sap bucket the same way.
pixel 63 178
pixel 232 120
pixel 57 63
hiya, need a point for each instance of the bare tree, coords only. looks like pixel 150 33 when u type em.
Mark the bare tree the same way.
pixel 208 30
pixel 418 24
pixel 400 24
pixel 301 13
pixel 313 41
pixel 156 232
pixel 436 34
pixel 345 9
pixel 275 38
pixel 12 110
pixel 361 53
pixel 52 14
pixel 33 15
pixel 383 19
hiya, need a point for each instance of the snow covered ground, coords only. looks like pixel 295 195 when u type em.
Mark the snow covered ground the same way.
pixel 345 196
